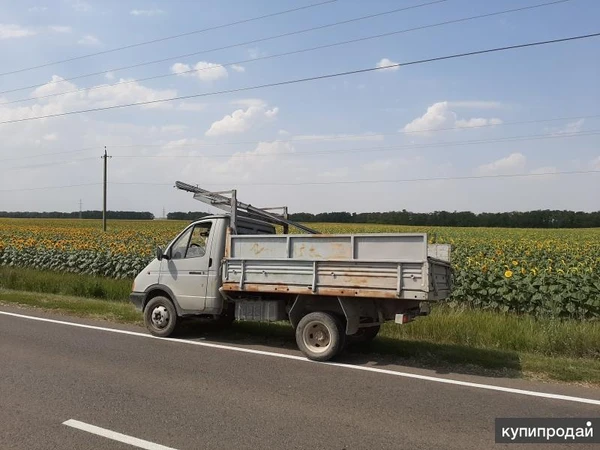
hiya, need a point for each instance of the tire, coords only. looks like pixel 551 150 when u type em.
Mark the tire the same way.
pixel 320 336
pixel 366 334
pixel 160 317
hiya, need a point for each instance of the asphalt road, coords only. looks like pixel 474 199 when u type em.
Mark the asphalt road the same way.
pixel 195 397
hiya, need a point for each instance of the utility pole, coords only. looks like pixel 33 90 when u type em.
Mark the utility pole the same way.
pixel 79 209
pixel 105 158
pixel 164 215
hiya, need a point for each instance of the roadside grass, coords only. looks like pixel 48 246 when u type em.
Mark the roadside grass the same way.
pixel 120 312
pixel 510 332
pixel 449 341
pixel 71 284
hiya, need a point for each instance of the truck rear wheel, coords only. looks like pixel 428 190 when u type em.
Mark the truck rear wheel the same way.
pixel 160 317
pixel 320 336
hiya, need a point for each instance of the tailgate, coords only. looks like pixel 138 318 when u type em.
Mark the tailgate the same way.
pixel 440 279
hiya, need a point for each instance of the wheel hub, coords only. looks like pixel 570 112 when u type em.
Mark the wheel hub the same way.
pixel 160 317
pixel 316 337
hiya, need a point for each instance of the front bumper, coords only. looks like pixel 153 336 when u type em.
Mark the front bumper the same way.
pixel 137 298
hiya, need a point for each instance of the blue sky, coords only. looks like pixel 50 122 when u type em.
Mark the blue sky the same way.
pixel 384 125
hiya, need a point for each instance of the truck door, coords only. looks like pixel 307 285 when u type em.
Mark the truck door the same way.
pixel 185 271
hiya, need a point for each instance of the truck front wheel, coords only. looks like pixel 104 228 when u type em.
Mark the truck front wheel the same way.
pixel 320 336
pixel 160 317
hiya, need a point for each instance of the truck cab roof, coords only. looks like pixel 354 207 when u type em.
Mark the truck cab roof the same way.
pixel 245 225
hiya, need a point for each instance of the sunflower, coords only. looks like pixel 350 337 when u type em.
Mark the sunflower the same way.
pixel 508 273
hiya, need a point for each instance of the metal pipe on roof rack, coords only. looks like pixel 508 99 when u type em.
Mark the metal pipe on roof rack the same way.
pixel 218 200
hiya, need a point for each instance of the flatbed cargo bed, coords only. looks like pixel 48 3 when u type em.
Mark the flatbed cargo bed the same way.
pixel 394 266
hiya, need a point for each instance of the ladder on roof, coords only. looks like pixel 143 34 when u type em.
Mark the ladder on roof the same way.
pixel 237 208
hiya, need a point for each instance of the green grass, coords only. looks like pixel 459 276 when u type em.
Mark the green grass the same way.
pixel 22 279
pixel 475 349
pixel 77 306
pixel 510 332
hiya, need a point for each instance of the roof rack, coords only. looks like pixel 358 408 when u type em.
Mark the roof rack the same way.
pixel 236 208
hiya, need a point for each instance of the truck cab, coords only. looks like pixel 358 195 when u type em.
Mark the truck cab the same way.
pixel 188 272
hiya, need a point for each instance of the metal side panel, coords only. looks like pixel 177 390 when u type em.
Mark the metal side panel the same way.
pixel 372 247
pixel 352 278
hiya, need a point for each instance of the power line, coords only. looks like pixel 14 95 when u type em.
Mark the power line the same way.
pixel 85 149
pixel 360 136
pixel 302 80
pixel 335 152
pixel 50 187
pixel 405 180
pixel 241 44
pixel 384 148
pixel 277 55
pixel 312 139
pixel 239 22
pixel 44 165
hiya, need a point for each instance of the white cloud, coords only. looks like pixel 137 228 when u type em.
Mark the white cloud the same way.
pixel 513 163
pixel 132 92
pixel 477 122
pixel 109 75
pixel 204 71
pixel 595 164
pixel 37 9
pixel 146 12
pixel 89 39
pixel 11 31
pixel 256 53
pixel 439 115
pixel 242 120
pixel 283 133
pixel 60 28
pixel 108 95
pixel 81 6
pixel 238 68
pixel 387 62
pixel 50 137
pixel 572 127
pixel 263 156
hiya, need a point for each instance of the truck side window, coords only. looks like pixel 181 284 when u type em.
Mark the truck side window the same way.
pixel 180 247
pixel 197 247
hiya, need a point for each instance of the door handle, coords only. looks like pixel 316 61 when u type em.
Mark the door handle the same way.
pixel 209 262
pixel 196 273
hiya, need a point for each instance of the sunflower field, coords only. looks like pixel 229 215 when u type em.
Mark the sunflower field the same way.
pixel 541 272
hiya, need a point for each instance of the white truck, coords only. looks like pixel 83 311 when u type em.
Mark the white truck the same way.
pixel 330 287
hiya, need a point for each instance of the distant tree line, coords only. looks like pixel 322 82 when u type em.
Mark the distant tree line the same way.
pixel 125 215
pixel 190 215
pixel 528 219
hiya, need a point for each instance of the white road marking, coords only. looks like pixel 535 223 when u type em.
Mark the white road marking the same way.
pixel 140 443
pixel 342 365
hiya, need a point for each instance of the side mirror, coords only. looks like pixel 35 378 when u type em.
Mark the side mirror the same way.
pixel 159 253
